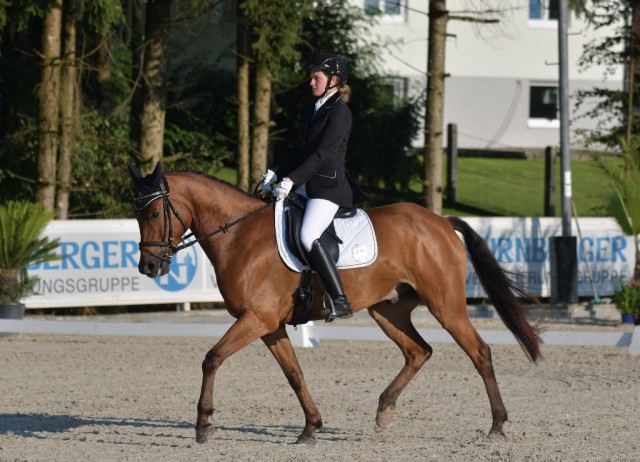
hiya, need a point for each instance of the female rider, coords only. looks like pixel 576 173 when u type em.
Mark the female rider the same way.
pixel 317 169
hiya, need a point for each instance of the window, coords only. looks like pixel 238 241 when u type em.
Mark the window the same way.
pixel 543 14
pixel 390 11
pixel 543 106
pixel 543 10
pixel 396 87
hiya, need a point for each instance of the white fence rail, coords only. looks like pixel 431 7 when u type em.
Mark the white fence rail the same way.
pixel 309 335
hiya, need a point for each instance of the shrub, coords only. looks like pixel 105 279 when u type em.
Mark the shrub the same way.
pixel 627 298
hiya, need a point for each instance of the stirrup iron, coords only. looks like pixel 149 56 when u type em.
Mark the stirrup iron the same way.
pixel 329 312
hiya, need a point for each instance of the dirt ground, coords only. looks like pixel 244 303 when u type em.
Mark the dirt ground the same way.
pixel 73 397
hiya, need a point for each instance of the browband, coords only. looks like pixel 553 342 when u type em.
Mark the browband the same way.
pixel 141 202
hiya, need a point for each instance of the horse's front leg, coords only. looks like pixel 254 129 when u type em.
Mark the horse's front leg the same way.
pixel 244 331
pixel 280 346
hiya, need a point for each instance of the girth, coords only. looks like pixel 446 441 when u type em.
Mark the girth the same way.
pixel 294 212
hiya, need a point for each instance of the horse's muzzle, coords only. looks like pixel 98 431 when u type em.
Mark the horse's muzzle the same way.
pixel 154 267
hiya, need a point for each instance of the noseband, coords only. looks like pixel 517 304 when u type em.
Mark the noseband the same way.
pixel 142 202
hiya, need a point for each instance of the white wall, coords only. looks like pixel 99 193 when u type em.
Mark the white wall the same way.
pixel 516 47
pixel 491 68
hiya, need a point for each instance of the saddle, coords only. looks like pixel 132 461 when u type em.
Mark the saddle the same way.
pixel 295 206
pixel 294 212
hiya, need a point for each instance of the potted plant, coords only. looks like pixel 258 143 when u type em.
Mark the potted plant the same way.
pixel 21 245
pixel 627 300
pixel 624 206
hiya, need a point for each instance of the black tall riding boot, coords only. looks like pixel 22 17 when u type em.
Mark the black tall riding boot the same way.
pixel 326 269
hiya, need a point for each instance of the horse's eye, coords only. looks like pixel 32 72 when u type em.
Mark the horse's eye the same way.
pixel 155 214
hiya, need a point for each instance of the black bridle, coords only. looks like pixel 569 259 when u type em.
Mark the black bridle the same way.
pixel 142 202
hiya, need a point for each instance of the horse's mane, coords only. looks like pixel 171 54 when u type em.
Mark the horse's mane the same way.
pixel 214 179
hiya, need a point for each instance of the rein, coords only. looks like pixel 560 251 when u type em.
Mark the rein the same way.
pixel 168 209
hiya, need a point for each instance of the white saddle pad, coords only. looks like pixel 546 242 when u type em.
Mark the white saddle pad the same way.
pixel 359 246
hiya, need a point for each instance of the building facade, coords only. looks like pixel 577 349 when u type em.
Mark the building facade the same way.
pixel 502 83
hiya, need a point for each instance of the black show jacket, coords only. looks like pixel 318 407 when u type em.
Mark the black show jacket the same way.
pixel 319 156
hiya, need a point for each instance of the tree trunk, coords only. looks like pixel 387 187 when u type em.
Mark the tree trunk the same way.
pixel 136 46
pixel 9 285
pixel 261 122
pixel 633 41
pixel 10 45
pixel 243 44
pixel 157 30
pixel 103 77
pixel 67 109
pixel 434 120
pixel 48 111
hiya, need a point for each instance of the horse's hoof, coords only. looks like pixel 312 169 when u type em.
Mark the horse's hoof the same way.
pixel 497 435
pixel 306 440
pixel 384 419
pixel 203 434
pixel 378 429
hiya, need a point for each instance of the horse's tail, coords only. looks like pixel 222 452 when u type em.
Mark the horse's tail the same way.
pixel 501 290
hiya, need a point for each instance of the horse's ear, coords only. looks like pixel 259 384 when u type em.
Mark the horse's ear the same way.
pixel 156 176
pixel 158 170
pixel 134 172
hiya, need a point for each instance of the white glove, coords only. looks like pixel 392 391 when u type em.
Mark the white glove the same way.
pixel 267 179
pixel 283 189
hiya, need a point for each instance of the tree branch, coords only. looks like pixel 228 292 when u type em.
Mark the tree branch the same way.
pixel 453 17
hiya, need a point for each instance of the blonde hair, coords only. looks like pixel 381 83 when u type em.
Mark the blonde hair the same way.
pixel 345 92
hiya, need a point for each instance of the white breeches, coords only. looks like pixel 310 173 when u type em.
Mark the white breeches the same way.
pixel 317 217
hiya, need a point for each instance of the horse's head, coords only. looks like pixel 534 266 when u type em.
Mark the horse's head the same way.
pixel 161 227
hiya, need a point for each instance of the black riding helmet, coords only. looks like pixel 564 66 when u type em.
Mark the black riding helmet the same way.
pixel 331 65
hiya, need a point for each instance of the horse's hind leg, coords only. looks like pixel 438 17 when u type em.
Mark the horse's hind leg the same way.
pixel 454 318
pixel 280 346
pixel 395 321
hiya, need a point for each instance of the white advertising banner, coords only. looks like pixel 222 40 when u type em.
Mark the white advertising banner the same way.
pixel 521 245
pixel 100 264
pixel 100 268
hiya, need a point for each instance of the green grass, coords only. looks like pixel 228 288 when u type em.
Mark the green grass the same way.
pixel 515 187
pixel 228 174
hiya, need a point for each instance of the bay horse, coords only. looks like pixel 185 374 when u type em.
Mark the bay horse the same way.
pixel 420 259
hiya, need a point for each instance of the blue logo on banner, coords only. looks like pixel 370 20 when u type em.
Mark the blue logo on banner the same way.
pixel 183 270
